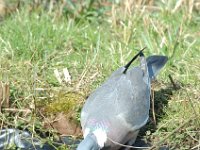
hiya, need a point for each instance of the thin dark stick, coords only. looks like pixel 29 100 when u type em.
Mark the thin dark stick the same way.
pixel 130 62
pixel 173 83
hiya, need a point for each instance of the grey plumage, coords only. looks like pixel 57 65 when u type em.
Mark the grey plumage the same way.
pixel 120 106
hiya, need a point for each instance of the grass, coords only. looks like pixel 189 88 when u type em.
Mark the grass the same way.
pixel 94 43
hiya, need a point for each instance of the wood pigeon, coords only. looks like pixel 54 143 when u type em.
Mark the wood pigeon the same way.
pixel 120 106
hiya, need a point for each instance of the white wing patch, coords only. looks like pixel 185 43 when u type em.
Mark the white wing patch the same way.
pixel 86 132
pixel 101 137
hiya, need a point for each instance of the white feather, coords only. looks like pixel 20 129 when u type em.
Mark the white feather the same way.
pixel 86 132
pixel 101 137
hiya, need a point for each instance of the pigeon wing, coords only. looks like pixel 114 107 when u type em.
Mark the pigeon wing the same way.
pixel 124 98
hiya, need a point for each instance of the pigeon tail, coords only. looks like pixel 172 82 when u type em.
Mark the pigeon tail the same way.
pixel 89 143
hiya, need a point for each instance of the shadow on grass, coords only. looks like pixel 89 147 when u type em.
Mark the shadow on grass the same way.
pixel 161 99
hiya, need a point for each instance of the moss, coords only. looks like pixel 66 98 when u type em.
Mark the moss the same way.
pixel 64 102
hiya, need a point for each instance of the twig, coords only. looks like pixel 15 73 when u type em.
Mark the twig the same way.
pixel 197 146
pixel 130 62
pixel 148 8
pixel 1 94
pixel 127 146
pixel 17 110
pixel 48 121
pixel 177 6
pixel 173 83
pixel 7 95
pixel 192 137
pixel 153 105
pixel 4 95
